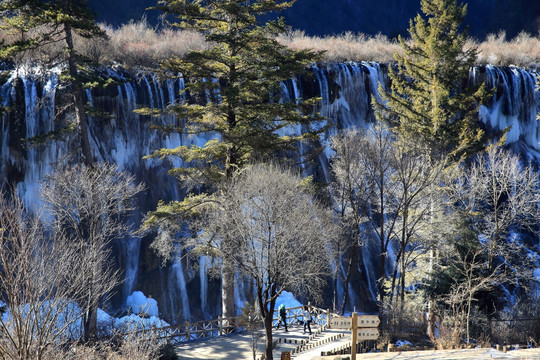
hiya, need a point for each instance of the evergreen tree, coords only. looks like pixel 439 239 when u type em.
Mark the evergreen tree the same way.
pixel 19 18
pixel 241 75
pixel 72 17
pixel 38 24
pixel 430 100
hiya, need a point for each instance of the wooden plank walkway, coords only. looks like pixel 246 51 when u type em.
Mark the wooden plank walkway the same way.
pixel 237 346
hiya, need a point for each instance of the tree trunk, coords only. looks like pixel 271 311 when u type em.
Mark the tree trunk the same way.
pixel 402 279
pixel 431 324
pixel 269 339
pixel 90 329
pixel 382 255
pixel 354 251
pixel 78 96
pixel 380 282
pixel 227 289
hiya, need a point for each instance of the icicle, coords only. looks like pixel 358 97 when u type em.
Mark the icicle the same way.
pixel 178 282
pixel 203 276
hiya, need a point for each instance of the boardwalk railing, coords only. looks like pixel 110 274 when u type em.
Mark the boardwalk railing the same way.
pixel 189 331
pixel 295 315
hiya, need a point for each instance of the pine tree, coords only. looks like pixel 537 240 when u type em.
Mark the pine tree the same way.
pixel 241 75
pixel 72 17
pixel 19 18
pixel 38 24
pixel 430 100
pixel 431 103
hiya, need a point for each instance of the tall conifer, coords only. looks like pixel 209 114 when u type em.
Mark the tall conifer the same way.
pixel 241 74
pixel 430 100
pixel 40 23
pixel 72 17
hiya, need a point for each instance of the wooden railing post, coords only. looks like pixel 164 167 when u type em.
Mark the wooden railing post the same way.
pixel 328 318
pixel 188 331
pixel 220 324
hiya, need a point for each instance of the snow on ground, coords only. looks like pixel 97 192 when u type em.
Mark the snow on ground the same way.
pixel 141 305
pixel 402 343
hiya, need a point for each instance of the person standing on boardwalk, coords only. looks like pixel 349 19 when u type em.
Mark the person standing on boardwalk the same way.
pixel 307 319
pixel 282 317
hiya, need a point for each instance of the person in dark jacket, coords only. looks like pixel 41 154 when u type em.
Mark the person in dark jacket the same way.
pixel 282 317
pixel 307 319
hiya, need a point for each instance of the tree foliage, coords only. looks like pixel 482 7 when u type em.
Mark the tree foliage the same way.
pixel 54 24
pixel 240 75
pixel 274 232
pixel 240 111
pixel 430 100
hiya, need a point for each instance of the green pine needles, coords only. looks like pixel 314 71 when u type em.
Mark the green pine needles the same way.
pixel 430 101
pixel 244 116
pixel 247 66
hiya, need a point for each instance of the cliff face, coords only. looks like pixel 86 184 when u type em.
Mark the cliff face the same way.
pixel 389 17
pixel 185 291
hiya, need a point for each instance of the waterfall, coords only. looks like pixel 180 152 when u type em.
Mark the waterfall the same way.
pixel 203 276
pixel 38 119
pixel 178 282
pixel 513 105
pixel 346 91
pixel 5 93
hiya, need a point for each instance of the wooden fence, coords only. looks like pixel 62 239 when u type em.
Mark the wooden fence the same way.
pixel 295 315
pixel 189 331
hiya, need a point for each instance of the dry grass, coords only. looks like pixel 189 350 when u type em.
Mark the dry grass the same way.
pixel 522 51
pixel 138 45
pixel 345 47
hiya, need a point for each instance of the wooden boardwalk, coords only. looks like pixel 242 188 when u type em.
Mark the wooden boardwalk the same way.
pixel 238 347
pixel 220 339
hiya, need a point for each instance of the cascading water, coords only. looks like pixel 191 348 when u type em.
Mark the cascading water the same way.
pixel 345 89
pixel 203 276
pixel 514 104
pixel 178 282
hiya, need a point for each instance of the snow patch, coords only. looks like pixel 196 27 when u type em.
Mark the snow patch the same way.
pixel 286 298
pixel 139 304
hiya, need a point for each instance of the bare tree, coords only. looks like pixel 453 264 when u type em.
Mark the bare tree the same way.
pixel 383 189
pixel 87 203
pixel 500 194
pixel 276 234
pixel 347 203
pixel 39 284
pixel 419 218
pixel 252 323
pixel 498 197
pixel 363 167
